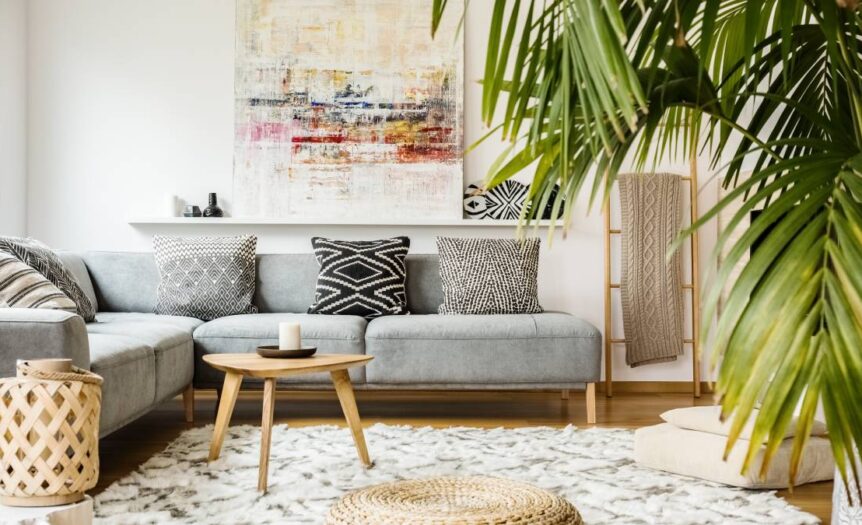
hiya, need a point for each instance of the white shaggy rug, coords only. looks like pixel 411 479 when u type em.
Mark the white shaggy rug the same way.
pixel 311 467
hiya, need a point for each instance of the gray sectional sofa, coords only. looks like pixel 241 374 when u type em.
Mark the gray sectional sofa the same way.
pixel 146 358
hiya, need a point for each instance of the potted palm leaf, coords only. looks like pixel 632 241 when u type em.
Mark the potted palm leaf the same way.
pixel 767 86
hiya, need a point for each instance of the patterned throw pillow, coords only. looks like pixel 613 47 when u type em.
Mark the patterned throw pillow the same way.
pixel 42 259
pixel 24 287
pixel 364 278
pixel 489 276
pixel 205 277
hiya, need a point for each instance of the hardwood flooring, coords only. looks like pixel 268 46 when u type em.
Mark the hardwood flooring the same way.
pixel 124 450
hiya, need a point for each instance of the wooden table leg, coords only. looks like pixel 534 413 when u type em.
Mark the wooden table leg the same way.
pixel 232 381
pixel 344 389
pixel 189 403
pixel 266 432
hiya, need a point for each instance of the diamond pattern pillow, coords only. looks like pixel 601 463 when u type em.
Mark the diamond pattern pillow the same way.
pixel 42 259
pixel 205 277
pixel 23 287
pixel 364 278
pixel 489 276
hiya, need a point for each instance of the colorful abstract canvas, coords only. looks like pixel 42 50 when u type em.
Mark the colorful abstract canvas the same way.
pixel 347 109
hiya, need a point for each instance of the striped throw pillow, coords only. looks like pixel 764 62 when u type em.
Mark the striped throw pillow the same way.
pixel 23 287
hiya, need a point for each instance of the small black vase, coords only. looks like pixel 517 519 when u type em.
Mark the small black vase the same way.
pixel 213 210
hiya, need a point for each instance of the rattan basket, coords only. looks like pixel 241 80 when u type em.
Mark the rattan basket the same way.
pixel 49 435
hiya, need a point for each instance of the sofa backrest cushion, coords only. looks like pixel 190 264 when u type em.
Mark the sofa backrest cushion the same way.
pixel 127 282
pixel 124 281
pixel 75 264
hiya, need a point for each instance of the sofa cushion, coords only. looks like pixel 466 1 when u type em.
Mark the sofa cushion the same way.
pixel 75 264
pixel 124 282
pixel 170 339
pixel 23 287
pixel 526 349
pixel 365 278
pixel 44 260
pixel 128 367
pixel 205 277
pixel 489 276
pixel 331 334
pixel 187 324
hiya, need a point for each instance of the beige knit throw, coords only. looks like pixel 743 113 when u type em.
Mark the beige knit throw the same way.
pixel 651 283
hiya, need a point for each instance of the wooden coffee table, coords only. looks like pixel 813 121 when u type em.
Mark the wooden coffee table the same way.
pixel 236 366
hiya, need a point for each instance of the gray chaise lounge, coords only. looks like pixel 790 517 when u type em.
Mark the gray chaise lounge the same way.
pixel 147 358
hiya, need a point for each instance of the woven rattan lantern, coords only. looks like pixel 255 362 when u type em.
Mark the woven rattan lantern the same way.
pixel 49 434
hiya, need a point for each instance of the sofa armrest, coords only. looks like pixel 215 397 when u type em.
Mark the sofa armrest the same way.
pixel 31 333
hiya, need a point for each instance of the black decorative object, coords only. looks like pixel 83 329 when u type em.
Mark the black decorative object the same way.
pixel 272 351
pixel 213 210
pixel 192 211
pixel 548 213
pixel 364 278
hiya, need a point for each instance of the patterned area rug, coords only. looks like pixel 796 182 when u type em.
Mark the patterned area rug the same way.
pixel 310 467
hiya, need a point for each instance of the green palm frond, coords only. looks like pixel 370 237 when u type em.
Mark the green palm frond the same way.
pixel 773 87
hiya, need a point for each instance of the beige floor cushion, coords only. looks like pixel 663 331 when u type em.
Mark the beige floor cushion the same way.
pixel 707 419
pixel 699 454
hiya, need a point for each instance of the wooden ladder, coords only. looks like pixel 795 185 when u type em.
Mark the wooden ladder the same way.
pixel 693 286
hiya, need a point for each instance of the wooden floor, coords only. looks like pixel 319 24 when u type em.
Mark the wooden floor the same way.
pixel 124 450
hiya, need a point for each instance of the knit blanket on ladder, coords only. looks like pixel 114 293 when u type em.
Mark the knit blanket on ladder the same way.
pixel 651 283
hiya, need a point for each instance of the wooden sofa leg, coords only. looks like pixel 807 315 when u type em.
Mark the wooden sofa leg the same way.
pixel 591 403
pixel 564 395
pixel 189 403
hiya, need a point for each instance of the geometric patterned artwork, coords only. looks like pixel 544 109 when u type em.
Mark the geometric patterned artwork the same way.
pixel 364 278
pixel 347 109
pixel 205 277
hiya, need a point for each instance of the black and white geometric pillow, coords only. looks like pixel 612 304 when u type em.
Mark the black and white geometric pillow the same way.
pixel 23 287
pixel 205 277
pixel 489 276
pixel 364 278
pixel 42 259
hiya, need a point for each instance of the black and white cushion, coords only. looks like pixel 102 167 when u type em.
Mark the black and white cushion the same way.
pixel 23 287
pixel 42 259
pixel 364 278
pixel 205 277
pixel 489 276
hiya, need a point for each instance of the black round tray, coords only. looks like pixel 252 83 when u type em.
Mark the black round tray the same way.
pixel 273 352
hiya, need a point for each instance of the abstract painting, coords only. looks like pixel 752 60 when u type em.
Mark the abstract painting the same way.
pixel 347 109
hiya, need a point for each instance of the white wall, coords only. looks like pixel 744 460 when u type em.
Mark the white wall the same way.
pixel 13 116
pixel 131 100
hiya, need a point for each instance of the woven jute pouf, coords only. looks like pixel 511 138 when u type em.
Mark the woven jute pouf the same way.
pixel 473 500
pixel 49 435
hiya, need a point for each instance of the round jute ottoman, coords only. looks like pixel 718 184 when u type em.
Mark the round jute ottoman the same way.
pixel 474 500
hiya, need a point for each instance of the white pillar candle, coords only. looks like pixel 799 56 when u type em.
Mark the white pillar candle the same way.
pixel 288 336
pixel 170 205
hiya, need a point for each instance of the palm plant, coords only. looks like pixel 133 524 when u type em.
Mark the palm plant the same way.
pixel 770 86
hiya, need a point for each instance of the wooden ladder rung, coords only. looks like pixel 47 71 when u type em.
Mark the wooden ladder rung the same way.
pixel 622 341
pixel 685 286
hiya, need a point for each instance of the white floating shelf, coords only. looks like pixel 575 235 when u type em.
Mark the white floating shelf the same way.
pixel 255 221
